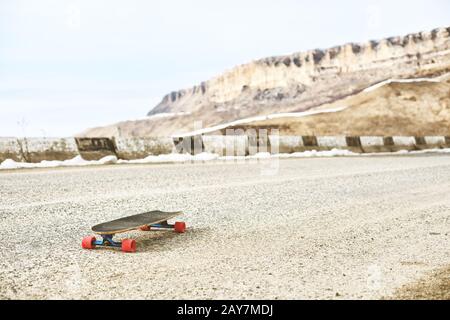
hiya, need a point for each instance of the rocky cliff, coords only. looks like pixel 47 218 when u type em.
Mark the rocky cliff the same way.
pixel 393 108
pixel 299 81
pixel 302 80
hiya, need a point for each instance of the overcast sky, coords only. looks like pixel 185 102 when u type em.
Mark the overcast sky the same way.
pixel 69 65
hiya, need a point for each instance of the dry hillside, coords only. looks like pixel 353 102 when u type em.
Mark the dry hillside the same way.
pixel 413 109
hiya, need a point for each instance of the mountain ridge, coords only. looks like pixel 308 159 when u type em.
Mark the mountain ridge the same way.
pixel 296 82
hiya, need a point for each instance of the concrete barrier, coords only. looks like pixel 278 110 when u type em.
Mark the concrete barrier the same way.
pixel 226 145
pixel 191 145
pixel 331 142
pixel 373 144
pixel 433 142
pixel 9 149
pixel 290 144
pixel 286 144
pixel 216 144
pixel 96 148
pixel 237 145
pixel 258 142
pixel 37 149
pixel 40 149
pixel 404 143
pixel 354 144
pixel 139 148
pixel 310 143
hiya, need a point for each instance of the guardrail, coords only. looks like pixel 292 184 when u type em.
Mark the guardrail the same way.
pixel 38 149
pixel 243 145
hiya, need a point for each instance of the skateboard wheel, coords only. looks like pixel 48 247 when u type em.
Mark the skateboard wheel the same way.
pixel 88 243
pixel 129 245
pixel 145 228
pixel 180 227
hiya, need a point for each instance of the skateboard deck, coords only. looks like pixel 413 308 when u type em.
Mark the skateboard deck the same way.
pixel 137 221
pixel 147 221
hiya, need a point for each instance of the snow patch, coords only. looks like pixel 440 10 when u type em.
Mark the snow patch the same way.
pixel 314 153
pixel 173 157
pixel 166 115
pixel 75 162
pixel 205 156
pixel 383 83
pixel 261 155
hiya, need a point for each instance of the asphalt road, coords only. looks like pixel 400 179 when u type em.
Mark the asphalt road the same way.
pixel 334 228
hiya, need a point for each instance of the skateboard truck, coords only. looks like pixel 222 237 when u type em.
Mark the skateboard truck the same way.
pixel 127 245
pixel 106 232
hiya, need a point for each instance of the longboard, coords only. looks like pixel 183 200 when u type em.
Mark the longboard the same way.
pixel 147 221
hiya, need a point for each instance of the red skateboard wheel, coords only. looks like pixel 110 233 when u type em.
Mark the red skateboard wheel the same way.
pixel 129 245
pixel 88 243
pixel 180 227
pixel 145 228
